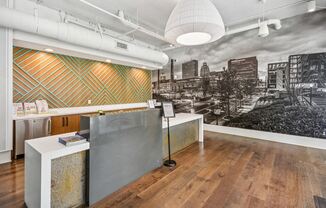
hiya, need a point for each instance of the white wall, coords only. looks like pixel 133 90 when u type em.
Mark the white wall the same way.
pixel 6 61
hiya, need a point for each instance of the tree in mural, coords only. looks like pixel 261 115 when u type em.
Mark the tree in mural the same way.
pixel 227 87
pixel 239 91
pixel 249 86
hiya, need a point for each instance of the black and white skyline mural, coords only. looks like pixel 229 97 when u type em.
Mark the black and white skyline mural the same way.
pixel 275 84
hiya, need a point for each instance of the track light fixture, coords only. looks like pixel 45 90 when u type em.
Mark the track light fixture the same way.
pixel 263 29
pixel 311 6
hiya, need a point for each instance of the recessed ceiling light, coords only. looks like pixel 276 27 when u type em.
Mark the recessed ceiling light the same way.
pixel 49 50
pixel 144 67
pixel 311 6
pixel 108 61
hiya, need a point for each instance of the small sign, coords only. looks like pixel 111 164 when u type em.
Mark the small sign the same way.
pixel 168 110
pixel 151 104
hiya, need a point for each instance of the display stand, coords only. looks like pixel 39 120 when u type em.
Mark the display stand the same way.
pixel 168 113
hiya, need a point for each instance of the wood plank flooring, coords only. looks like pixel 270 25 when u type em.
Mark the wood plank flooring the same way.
pixel 230 171
pixel 227 171
pixel 12 184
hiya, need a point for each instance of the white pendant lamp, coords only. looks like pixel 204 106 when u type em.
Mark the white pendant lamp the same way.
pixel 194 22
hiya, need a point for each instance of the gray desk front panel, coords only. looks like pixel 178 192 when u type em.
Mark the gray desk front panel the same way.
pixel 123 147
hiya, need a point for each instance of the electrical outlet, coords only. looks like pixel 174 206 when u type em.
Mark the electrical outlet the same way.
pixel 89 102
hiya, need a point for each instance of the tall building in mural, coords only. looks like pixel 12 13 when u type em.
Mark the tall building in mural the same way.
pixel 245 68
pixel 190 69
pixel 307 70
pixel 278 74
pixel 204 70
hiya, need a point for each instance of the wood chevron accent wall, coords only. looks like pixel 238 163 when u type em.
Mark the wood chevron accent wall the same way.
pixel 66 81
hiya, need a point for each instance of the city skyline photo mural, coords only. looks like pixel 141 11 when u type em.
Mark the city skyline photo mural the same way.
pixel 274 84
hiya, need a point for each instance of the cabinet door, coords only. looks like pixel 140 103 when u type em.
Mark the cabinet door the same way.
pixel 65 124
pixel 72 123
pixel 58 125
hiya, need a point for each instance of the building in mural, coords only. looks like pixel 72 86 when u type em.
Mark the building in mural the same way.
pixel 246 68
pixel 308 69
pixel 190 69
pixel 204 70
pixel 278 75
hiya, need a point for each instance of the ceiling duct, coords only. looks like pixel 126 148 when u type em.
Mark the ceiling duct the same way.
pixel 71 33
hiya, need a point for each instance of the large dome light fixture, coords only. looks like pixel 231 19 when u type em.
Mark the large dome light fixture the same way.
pixel 194 22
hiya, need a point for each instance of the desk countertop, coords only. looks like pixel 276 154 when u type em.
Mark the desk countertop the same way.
pixel 181 118
pixel 50 146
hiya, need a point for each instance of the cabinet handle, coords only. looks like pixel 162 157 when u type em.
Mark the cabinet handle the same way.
pixel 67 121
pixel 63 121
pixel 49 126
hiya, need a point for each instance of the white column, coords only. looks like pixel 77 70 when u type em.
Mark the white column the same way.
pixel 6 60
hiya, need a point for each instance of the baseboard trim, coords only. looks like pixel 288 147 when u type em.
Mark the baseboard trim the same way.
pixel 269 136
pixel 5 157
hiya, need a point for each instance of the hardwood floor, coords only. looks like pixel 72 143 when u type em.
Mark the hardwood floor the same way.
pixel 12 184
pixel 227 171
pixel 230 171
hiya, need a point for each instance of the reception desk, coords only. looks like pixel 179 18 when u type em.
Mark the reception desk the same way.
pixel 185 129
pixel 121 148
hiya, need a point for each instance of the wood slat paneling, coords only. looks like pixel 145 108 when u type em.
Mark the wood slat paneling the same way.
pixel 66 81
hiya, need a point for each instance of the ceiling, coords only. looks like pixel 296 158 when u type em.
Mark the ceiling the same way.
pixel 153 14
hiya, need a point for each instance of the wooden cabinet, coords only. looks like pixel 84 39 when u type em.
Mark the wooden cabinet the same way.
pixel 65 124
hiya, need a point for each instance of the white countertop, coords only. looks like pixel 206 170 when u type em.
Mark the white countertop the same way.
pixel 181 118
pixel 50 146
pixel 80 110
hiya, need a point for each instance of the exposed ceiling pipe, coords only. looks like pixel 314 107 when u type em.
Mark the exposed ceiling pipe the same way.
pixel 37 42
pixel 70 33
pixel 275 23
pixel 126 22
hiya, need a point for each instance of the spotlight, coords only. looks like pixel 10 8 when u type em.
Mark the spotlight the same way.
pixel 263 30
pixel 49 50
pixel 108 60
pixel 311 6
